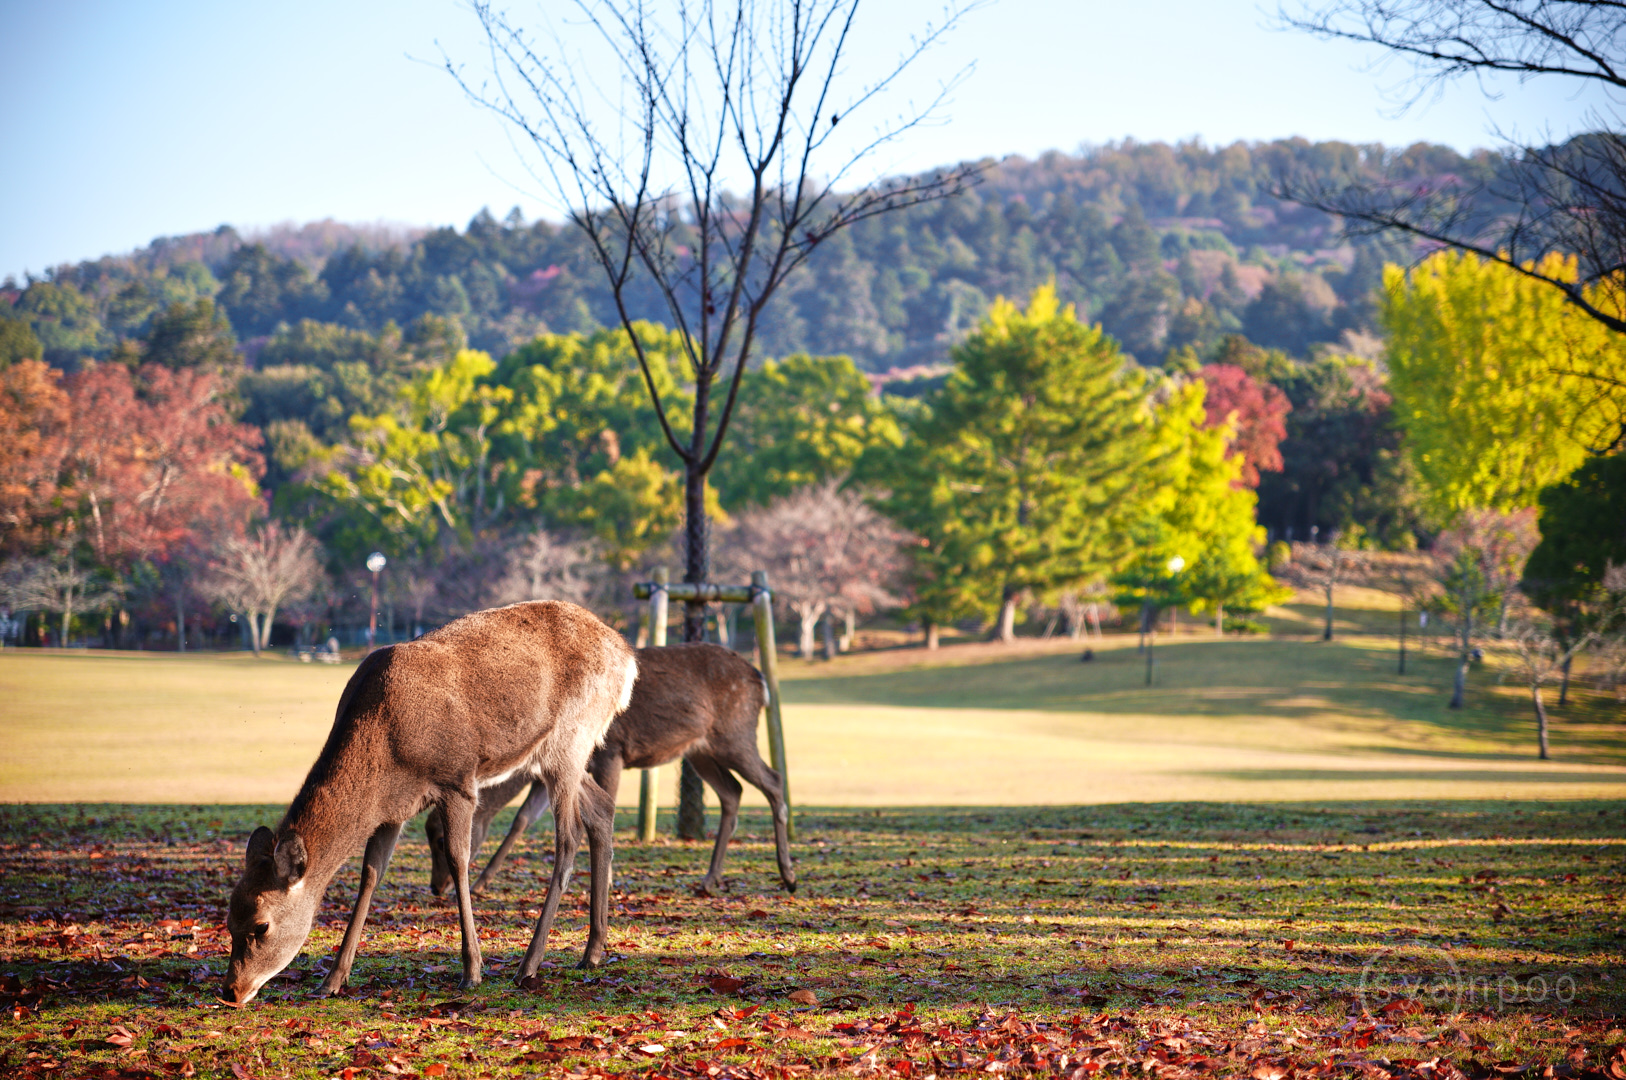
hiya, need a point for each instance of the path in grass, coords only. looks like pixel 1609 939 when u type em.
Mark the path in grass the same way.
pixel 1224 720
pixel 1423 940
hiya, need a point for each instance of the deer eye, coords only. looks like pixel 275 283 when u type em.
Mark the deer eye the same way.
pixel 262 929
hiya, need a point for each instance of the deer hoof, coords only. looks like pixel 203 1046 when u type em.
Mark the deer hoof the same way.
pixel 469 982
pixel 790 887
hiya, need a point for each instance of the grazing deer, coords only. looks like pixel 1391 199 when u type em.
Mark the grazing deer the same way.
pixel 697 701
pixel 526 690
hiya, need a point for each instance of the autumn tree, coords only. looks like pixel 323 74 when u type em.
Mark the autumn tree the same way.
pixel 1257 415
pixel 721 174
pixel 34 415
pixel 1479 365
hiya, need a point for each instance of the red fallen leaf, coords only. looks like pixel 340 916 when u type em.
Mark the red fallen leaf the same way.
pixel 741 1014
pixel 757 913
pixel 437 1069
pixel 803 997
pixel 727 1043
pixel 238 1071
pixel 120 1036
pixel 1268 1072
pixel 725 984
pixel 1288 943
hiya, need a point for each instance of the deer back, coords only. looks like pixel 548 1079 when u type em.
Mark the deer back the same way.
pixel 687 696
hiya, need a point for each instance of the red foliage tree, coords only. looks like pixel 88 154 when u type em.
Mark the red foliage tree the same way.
pixel 33 422
pixel 1260 412
pixel 151 457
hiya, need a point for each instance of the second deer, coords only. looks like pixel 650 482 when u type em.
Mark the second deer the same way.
pixel 699 702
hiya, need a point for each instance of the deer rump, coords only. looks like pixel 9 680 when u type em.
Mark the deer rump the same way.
pixel 699 702
pixel 522 691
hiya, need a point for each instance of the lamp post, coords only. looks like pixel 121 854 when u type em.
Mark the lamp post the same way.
pixel 1175 565
pixel 375 563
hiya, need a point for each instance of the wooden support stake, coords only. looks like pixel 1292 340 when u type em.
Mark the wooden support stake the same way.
pixel 649 779
pixel 762 608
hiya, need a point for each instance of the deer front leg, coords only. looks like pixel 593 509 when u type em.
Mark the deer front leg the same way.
pixel 531 809
pixel 380 846
pixel 459 811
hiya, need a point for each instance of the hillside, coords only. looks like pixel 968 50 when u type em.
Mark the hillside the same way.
pixel 1166 245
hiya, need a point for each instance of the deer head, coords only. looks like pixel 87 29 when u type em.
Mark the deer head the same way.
pixel 271 913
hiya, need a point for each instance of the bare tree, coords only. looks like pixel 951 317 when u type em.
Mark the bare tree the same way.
pixel 254 575
pixel 1325 567
pixel 58 584
pixel 1540 657
pixel 719 176
pixel 548 566
pixel 1567 196
pixel 823 548
pixel 1477 563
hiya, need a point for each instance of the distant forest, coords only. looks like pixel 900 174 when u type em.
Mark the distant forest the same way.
pixel 1181 252
pixel 1165 245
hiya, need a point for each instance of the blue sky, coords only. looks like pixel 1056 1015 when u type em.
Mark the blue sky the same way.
pixel 125 121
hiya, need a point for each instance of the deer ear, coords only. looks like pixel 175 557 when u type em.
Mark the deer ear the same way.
pixel 260 846
pixel 291 860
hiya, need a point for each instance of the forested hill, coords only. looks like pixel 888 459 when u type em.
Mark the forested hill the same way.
pixel 1166 245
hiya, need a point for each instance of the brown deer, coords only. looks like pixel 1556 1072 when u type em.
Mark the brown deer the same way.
pixel 699 702
pixel 526 690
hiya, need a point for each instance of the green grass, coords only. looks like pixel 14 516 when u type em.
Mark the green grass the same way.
pixel 1278 936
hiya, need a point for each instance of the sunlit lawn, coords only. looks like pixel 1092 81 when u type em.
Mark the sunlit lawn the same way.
pixel 1280 859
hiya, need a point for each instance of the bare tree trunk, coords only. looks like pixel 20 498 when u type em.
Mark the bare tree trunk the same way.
pixel 691 817
pixel 1095 618
pixel 1465 631
pixel 808 627
pixel 697 550
pixel 265 628
pixel 1219 620
pixel 1007 615
pixel 1326 634
pixel 1564 681
pixel 931 633
pixel 180 624
pixel 1541 720
pixel 827 623
pixel 851 630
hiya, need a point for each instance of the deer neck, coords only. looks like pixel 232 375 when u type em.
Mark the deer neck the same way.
pixel 334 818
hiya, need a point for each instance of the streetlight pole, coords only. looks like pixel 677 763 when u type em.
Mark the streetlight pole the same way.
pixel 1175 565
pixel 375 563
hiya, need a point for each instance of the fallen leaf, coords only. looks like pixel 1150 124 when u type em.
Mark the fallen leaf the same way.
pixel 652 1049
pixel 803 997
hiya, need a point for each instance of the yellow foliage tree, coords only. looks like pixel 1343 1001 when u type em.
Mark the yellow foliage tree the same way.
pixel 1502 386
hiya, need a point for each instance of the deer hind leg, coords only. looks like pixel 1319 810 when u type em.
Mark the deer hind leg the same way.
pixel 434 832
pixel 598 816
pixel 756 772
pixel 728 792
pixel 380 846
pixel 531 809
pixel 566 842
pixel 459 810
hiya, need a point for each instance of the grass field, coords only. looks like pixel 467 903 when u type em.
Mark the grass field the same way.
pixel 1285 717
pixel 1280 860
